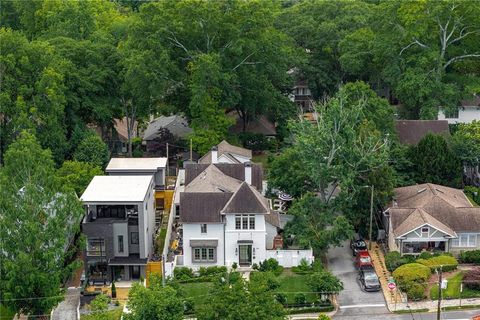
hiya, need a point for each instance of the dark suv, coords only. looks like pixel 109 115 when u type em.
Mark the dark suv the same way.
pixel 357 246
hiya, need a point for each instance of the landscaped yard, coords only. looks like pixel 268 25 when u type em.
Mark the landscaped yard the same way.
pixel 453 289
pixel 5 314
pixel 292 283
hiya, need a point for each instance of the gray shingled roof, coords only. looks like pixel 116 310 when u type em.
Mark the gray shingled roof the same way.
pixel 177 125
pixel 236 171
pixel 202 206
pixel 412 131
pixel 215 190
pixel 246 200
pixel 225 148
pixel 442 207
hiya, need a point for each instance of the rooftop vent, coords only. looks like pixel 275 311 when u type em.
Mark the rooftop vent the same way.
pixel 421 190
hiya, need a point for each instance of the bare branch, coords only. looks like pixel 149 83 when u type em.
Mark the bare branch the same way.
pixel 465 56
pixel 243 61
pixel 415 42
pixel 177 43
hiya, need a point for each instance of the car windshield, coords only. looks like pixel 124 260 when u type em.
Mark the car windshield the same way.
pixel 370 276
pixel 360 244
pixel 365 259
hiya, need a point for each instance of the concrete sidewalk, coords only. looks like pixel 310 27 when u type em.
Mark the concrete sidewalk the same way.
pixel 68 308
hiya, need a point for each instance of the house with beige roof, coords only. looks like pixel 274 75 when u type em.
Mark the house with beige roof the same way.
pixel 224 152
pixel 430 217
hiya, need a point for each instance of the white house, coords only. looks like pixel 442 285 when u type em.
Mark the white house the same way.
pixel 139 167
pixel 119 225
pixel 226 219
pixel 468 111
pixel 224 152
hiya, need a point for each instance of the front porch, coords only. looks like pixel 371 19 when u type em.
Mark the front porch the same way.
pixel 416 247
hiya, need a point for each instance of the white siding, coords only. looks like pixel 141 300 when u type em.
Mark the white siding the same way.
pixel 191 231
pixel 271 233
pixel 466 115
pixel 290 258
pixel 257 236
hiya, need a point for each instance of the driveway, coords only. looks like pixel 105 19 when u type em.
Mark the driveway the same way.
pixel 352 300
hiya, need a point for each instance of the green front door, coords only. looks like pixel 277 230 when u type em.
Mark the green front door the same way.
pixel 245 256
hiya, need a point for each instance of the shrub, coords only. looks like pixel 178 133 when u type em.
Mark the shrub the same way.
pixel 211 271
pixel 416 291
pixel 425 255
pixel 267 278
pixel 410 273
pixel 114 290
pixel 188 305
pixel 281 298
pixel 324 281
pixel 300 298
pixel 234 266
pixel 271 265
pixel 182 273
pixel 448 263
pixel 323 317
pixel 393 260
pixel 471 256
pixel 471 279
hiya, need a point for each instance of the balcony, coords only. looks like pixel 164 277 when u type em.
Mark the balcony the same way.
pixel 112 213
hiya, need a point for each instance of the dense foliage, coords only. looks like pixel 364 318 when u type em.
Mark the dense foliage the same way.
pixel 447 263
pixel 471 279
pixel 470 256
pixel 413 279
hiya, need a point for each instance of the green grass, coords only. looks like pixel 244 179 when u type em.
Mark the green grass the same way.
pixel 160 241
pixel 198 292
pixel 5 313
pixel 291 284
pixel 411 311
pixel 453 289
pixel 112 315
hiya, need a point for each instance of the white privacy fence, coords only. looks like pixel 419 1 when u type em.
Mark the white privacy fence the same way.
pixel 291 258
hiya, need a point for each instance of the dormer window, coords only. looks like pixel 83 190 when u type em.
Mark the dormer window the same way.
pixel 425 231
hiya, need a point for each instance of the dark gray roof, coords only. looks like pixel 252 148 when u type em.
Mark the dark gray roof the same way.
pixel 472 102
pixel 202 206
pixel 412 131
pixel 245 200
pixel 133 260
pixel 177 125
pixel 273 218
pixel 260 125
pixel 236 171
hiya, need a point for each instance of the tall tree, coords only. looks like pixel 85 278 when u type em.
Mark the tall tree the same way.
pixel 155 302
pixel 435 162
pixel 39 222
pixel 92 150
pixel 33 92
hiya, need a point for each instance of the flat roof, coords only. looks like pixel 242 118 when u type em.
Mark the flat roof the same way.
pixel 117 189
pixel 136 164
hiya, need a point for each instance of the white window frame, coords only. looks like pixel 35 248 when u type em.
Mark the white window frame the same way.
pixel 245 222
pixel 465 240
pixel 203 228
pixel 204 254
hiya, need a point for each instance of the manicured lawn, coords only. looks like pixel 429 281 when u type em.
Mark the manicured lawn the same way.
pixel 196 289
pixel 291 284
pixel 5 313
pixel 453 289
pixel 112 315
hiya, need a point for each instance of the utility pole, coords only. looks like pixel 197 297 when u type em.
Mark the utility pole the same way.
pixel 191 158
pixel 439 308
pixel 371 218
pixel 166 173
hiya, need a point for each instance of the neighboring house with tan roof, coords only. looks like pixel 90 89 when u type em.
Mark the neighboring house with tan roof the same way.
pixel 224 152
pixel 227 220
pixel 430 217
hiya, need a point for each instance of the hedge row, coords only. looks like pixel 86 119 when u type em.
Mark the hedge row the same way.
pixel 412 278
pixel 471 256
pixel 448 263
